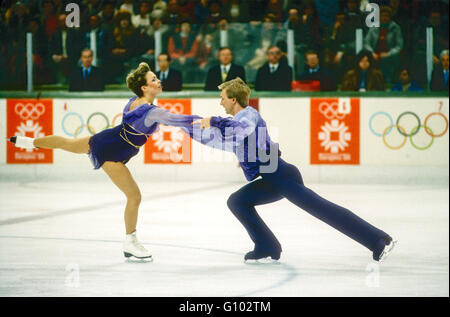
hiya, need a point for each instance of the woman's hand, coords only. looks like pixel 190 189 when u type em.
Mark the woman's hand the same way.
pixel 205 123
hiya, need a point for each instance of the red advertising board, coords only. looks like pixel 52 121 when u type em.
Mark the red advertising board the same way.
pixel 32 118
pixel 170 145
pixel 335 131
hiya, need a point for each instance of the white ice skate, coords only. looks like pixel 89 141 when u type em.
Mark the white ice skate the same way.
pixel 387 249
pixel 22 142
pixel 132 248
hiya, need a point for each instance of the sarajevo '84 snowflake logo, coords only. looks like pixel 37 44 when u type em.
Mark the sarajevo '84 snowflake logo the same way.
pixel 334 136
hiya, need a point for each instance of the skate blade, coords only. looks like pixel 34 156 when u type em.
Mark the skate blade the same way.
pixel 133 259
pixel 262 261
pixel 389 248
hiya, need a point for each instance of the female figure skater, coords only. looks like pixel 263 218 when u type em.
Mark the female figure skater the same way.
pixel 247 129
pixel 112 148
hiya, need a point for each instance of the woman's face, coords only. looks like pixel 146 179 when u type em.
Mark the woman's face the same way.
pixel 124 23
pixel 364 63
pixel 153 84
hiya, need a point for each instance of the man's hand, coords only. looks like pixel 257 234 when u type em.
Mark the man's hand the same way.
pixel 205 123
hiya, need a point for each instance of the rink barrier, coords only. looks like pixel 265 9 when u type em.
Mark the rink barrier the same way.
pixel 379 141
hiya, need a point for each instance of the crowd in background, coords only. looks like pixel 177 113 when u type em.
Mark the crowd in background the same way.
pixel 210 40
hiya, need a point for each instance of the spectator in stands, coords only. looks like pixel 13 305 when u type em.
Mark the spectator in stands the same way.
pixel 269 36
pixel 159 10
pixel 257 9
pixel 275 7
pixel 173 15
pixel 65 48
pixel 236 11
pixel 16 21
pixel 48 18
pixel 107 15
pixel 364 77
pixel 157 25
pixel 171 79
pixel 201 11
pixel 87 77
pixel 226 71
pixel 41 68
pixel 355 16
pixel 183 48
pixel 306 32
pixel 274 75
pixel 204 58
pixel 406 83
pixel 341 43
pixel 128 6
pixel 232 36
pixel 439 78
pixel 141 21
pixel 314 71
pixel 98 40
pixel 419 44
pixel 385 43
pixel 125 45
pixel 327 10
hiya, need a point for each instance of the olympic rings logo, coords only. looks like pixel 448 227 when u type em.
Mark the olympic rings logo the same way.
pixel 29 111
pixel 176 108
pixel 331 111
pixel 431 132
pixel 76 132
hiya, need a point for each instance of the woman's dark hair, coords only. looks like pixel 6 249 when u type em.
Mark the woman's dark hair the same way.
pixel 136 79
pixel 361 55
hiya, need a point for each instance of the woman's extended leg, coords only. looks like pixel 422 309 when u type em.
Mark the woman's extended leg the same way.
pixel 79 146
pixel 121 177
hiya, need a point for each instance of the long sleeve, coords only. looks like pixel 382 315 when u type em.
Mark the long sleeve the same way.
pixel 158 115
pixel 225 133
pixel 398 39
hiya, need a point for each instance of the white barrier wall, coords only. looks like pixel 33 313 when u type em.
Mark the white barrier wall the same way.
pixel 394 157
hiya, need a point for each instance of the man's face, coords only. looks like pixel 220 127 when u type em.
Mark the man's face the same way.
pixel 94 21
pixel 385 18
pixel 340 18
pixel 86 58
pixel 444 61
pixel 226 102
pixel 274 55
pixel 163 62
pixel 225 57
pixel 144 8
pixel 185 27
pixel 62 21
pixel 435 19
pixel 312 60
pixel 108 10
pixel 293 15
pixel 404 77
pixel 352 5
pixel 157 24
pixel 394 4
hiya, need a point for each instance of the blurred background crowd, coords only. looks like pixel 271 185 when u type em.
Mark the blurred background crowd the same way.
pixel 205 42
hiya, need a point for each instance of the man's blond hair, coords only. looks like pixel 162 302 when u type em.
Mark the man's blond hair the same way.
pixel 237 88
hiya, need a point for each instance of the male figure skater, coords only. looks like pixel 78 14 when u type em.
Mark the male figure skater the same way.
pixel 272 178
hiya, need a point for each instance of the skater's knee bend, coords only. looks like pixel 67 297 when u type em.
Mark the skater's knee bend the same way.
pixel 134 197
pixel 235 201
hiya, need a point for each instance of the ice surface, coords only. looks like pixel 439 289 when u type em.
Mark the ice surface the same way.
pixel 65 239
